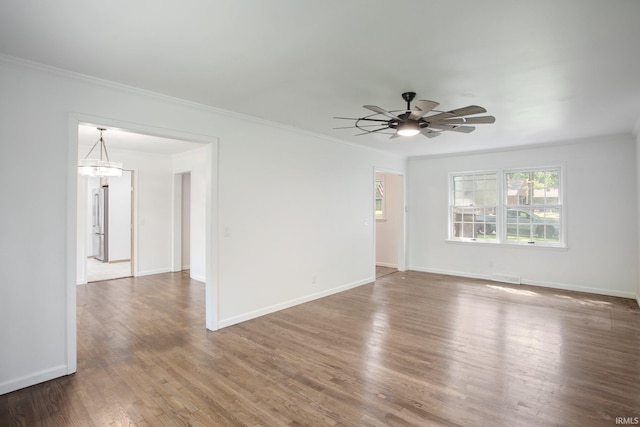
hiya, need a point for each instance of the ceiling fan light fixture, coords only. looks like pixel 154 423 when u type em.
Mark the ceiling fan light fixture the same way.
pixel 416 120
pixel 408 129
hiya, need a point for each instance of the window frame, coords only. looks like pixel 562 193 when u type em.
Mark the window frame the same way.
pixel 502 207
pixel 383 215
pixel 452 206
pixel 560 206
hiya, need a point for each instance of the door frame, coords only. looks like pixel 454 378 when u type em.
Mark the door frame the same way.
pixel 74 222
pixel 177 263
pixel 402 229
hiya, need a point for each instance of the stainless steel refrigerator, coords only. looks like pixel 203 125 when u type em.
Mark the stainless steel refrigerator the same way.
pixel 101 224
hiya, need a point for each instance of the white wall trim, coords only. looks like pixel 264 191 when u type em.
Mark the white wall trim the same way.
pixel 198 278
pixel 211 281
pixel 71 344
pixel 535 145
pixel 151 272
pixel 552 285
pixel 32 379
pixel 176 222
pixel 60 72
pixel 223 323
pixel 385 264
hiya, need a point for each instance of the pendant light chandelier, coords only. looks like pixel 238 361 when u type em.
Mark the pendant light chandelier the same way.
pixel 101 166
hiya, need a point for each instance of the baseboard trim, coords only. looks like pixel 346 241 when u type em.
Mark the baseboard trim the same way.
pixel 150 272
pixel 386 264
pixel 223 323
pixel 199 278
pixel 450 273
pixel 542 284
pixel 32 379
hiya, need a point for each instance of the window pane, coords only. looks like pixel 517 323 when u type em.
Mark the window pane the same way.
pixel 485 224
pixel 533 206
pixel 474 200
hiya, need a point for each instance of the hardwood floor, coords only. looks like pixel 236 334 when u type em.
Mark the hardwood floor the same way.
pixel 410 349
pixel 383 271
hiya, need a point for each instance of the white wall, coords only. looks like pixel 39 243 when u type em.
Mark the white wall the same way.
pixel 120 217
pixel 601 216
pixel 388 229
pixel 152 210
pixel 294 210
pixel 296 220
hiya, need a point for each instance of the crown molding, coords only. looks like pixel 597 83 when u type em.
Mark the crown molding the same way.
pixel 22 63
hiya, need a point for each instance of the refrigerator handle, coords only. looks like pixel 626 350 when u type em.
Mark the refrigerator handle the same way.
pixel 96 210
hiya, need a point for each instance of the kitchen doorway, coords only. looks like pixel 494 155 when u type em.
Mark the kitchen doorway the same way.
pixel 110 227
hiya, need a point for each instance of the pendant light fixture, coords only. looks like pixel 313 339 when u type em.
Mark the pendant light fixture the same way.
pixel 100 166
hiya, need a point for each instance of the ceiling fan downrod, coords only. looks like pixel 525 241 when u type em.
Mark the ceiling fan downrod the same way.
pixel 408 96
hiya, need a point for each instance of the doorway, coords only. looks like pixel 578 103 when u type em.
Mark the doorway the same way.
pixel 182 223
pixel 110 227
pixel 75 248
pixel 390 222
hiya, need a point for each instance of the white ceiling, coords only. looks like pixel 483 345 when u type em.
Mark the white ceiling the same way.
pixel 548 70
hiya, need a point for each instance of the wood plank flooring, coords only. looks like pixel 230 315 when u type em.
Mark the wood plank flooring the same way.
pixel 411 349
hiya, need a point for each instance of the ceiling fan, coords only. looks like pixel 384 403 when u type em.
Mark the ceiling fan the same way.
pixel 413 121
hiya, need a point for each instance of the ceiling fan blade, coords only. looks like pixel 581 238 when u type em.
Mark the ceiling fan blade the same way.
pixel 430 133
pixel 464 120
pixel 372 131
pixel 359 126
pixel 421 108
pixel 362 118
pixel 464 129
pixel 464 111
pixel 381 111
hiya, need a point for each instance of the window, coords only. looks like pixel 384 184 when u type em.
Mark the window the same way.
pixel 473 208
pixel 379 189
pixel 523 207
pixel 532 206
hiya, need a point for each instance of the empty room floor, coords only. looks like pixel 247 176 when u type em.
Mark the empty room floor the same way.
pixel 411 349
pixel 98 271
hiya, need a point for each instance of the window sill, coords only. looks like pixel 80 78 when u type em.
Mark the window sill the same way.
pixel 486 242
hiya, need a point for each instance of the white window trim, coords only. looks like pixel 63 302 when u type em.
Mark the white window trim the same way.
pixel 452 199
pixel 501 227
pixel 383 216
